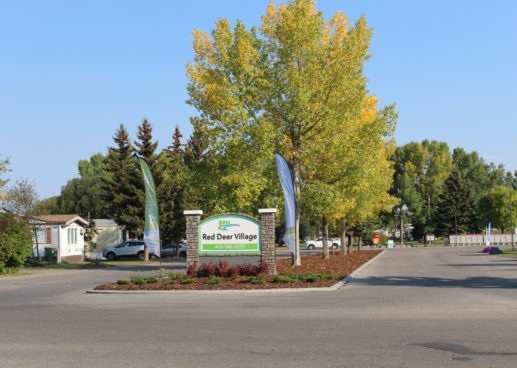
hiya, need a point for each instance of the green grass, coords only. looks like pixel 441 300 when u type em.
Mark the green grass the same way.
pixel 508 253
pixel 68 266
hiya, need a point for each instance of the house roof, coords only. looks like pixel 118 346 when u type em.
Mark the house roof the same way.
pixel 105 222
pixel 62 219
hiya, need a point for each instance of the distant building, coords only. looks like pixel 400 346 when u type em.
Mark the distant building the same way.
pixel 109 235
pixel 63 233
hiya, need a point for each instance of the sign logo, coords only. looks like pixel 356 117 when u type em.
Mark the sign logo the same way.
pixel 229 234
pixel 225 224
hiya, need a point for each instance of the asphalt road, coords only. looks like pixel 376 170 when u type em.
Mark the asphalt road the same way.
pixel 425 307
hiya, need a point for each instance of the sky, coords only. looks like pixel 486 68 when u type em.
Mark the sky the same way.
pixel 72 71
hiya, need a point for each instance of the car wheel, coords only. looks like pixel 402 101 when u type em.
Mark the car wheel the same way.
pixel 111 256
pixel 334 246
pixel 141 256
pixel 183 254
pixel 311 246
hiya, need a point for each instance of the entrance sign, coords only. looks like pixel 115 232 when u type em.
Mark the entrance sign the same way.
pixel 229 234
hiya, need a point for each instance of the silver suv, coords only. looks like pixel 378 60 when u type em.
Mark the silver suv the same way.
pixel 130 248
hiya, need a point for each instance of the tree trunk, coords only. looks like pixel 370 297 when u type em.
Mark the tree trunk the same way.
pixel 350 242
pixel 325 236
pixel 343 237
pixel 146 254
pixel 360 242
pixel 401 226
pixel 35 230
pixel 297 189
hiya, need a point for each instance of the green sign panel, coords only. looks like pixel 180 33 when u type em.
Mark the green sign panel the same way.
pixel 229 234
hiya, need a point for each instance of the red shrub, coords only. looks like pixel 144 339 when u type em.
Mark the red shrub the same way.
pixel 248 270
pixel 222 269
pixel 207 270
pixel 261 268
pixel 234 270
pixel 192 270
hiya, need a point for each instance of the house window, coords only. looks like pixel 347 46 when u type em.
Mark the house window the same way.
pixel 72 236
pixel 40 235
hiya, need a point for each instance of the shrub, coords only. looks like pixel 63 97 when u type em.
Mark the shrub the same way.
pixel 169 282
pixel 207 270
pixel 262 268
pixel 311 277
pixel 187 281
pixel 247 279
pixel 192 270
pixel 256 280
pixel 222 268
pixel 151 280
pixel 234 271
pixel 214 281
pixel 137 280
pixel 248 270
pixel 122 282
pixel 260 279
pixel 15 243
pixel 284 279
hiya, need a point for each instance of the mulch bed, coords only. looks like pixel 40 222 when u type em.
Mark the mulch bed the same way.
pixel 338 265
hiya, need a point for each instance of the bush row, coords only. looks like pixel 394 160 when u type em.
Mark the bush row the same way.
pixel 223 269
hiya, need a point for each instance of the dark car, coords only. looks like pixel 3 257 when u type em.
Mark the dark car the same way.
pixel 169 250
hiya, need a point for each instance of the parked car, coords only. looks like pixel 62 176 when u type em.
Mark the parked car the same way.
pixel 318 243
pixel 127 249
pixel 169 250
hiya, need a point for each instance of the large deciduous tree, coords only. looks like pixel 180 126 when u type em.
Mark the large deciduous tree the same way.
pixel 288 89
pixel 3 169
pixel 420 172
pixel 84 195
pixel 495 205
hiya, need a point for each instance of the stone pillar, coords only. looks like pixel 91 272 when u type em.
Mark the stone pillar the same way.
pixel 267 218
pixel 193 218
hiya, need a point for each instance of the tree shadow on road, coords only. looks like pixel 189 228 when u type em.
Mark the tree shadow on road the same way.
pixel 439 282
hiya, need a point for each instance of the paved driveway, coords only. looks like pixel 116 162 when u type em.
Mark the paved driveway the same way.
pixel 411 308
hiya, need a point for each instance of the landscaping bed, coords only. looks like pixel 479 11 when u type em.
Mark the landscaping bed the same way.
pixel 314 272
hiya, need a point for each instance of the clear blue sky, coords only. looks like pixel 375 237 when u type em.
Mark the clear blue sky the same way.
pixel 72 71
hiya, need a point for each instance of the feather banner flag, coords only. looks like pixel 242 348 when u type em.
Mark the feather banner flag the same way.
pixel 152 223
pixel 286 180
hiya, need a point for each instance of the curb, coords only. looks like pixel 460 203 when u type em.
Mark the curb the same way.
pixel 336 286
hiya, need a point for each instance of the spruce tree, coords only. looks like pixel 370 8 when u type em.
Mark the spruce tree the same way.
pixel 146 148
pixel 122 191
pixel 173 189
pixel 456 211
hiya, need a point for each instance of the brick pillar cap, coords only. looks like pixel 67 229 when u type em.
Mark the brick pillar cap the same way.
pixel 268 210
pixel 192 212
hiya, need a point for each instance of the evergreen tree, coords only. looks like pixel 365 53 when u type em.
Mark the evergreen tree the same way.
pixel 203 191
pixel 173 190
pixel 146 148
pixel 456 210
pixel 122 191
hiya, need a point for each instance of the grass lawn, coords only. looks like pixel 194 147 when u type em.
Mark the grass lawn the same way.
pixel 68 266
pixel 508 253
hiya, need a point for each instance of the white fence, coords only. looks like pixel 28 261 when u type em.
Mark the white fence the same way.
pixel 478 239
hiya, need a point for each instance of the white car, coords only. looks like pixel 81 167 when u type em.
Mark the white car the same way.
pixel 313 244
